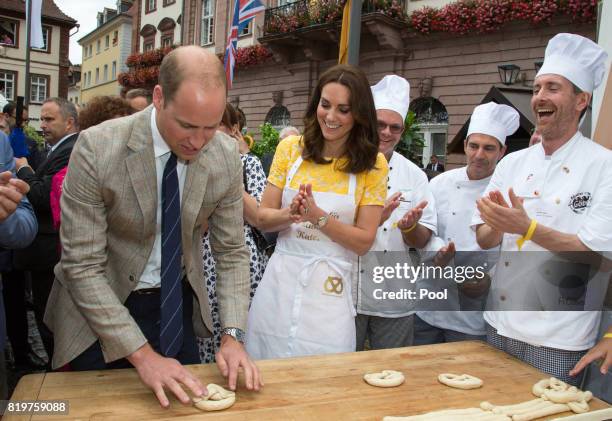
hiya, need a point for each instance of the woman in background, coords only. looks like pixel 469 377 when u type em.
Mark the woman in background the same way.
pixel 254 183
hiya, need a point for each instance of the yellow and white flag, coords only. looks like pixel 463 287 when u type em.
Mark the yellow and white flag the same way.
pixel 344 34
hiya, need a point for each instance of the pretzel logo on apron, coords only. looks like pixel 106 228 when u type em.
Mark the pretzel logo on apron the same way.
pixel 333 285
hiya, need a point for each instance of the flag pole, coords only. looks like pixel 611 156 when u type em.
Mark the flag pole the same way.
pixel 354 33
pixel 27 57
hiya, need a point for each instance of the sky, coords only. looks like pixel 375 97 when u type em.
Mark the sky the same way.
pixel 84 11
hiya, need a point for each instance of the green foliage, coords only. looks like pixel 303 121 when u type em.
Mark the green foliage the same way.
pixel 31 132
pixel 412 142
pixel 268 143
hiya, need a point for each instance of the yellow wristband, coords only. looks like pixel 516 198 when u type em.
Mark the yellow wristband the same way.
pixel 407 230
pixel 608 336
pixel 528 235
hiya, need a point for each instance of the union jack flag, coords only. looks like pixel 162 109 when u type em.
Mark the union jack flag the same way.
pixel 244 11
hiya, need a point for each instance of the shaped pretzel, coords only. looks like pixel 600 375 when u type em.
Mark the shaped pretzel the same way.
pixel 217 399
pixel 463 381
pixel 386 378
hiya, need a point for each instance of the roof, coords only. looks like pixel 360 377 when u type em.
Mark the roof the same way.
pixel 49 10
pixel 520 99
pixel 114 19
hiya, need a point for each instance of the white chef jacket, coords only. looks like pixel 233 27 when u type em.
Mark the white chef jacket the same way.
pixel 411 181
pixel 455 195
pixel 569 191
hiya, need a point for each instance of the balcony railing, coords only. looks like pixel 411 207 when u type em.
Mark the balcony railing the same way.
pixel 303 13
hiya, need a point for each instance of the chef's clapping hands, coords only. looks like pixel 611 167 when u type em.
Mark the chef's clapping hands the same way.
pixel 496 213
pixel 411 217
pixel 391 204
pixel 444 255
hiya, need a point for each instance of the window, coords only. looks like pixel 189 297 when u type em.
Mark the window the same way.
pixel 207 33
pixel 84 52
pixel 106 42
pixel 115 38
pixel 98 46
pixel 105 73
pixel 46 32
pixel 150 6
pixel 148 44
pixel 9 79
pixel 167 38
pixel 169 2
pixel 9 32
pixel 89 78
pixel 247 29
pixel 39 88
pixel 97 75
pixel 114 71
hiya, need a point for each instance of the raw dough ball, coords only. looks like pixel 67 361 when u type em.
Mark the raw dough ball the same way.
pixel 387 378
pixel 464 381
pixel 217 399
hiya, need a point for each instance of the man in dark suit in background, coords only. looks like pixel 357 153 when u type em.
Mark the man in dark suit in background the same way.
pixel 59 124
pixel 435 165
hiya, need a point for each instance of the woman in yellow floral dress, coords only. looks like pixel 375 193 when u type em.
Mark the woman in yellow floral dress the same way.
pixel 325 196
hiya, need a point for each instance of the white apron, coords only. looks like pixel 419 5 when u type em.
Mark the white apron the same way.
pixel 304 305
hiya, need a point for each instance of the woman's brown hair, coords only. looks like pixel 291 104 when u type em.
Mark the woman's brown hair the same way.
pixel 102 108
pixel 362 144
pixel 230 116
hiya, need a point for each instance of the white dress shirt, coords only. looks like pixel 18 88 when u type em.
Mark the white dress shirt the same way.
pixel 455 195
pixel 151 277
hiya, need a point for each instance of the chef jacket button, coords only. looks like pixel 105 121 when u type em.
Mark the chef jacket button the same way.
pixel 385 229
pixel 502 297
pixel 458 187
pixel 557 200
pixel 132 278
pixel 507 264
pixel 389 187
pixel 453 213
pixel 390 168
pixel 384 251
pixel 362 271
pixel 537 193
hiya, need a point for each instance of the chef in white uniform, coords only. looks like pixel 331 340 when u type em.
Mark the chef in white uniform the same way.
pixel 455 193
pixel 408 220
pixel 555 196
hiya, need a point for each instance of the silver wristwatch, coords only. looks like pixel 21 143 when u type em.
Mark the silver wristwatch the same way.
pixel 235 333
pixel 322 221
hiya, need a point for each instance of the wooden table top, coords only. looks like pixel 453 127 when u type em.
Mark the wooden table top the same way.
pixel 328 387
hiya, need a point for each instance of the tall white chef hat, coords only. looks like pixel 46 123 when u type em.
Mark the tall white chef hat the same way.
pixel 392 93
pixel 495 120
pixel 576 58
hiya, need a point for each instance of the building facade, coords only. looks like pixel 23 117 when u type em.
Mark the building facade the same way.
pixel 74 84
pixel 449 73
pixel 105 51
pixel 48 66
pixel 157 23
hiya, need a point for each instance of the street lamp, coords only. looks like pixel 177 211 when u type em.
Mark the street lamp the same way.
pixel 538 64
pixel 508 73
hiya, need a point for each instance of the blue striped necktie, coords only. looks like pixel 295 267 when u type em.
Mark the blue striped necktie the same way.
pixel 171 328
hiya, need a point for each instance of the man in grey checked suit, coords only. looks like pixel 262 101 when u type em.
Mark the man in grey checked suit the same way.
pixel 104 305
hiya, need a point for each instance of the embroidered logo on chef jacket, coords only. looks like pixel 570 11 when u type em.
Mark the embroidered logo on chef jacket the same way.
pixel 333 286
pixel 580 202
